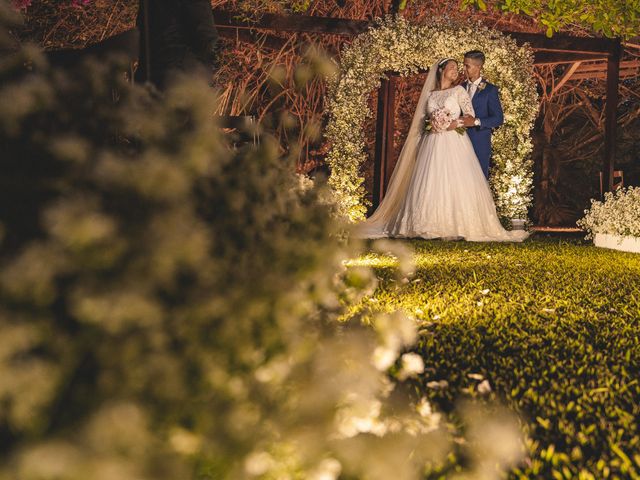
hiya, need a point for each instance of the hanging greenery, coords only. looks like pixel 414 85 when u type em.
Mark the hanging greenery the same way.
pixel 612 18
pixel 395 45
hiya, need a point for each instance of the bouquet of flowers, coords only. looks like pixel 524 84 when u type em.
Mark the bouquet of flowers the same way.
pixel 439 120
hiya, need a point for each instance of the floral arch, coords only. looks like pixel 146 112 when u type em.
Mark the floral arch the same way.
pixel 395 45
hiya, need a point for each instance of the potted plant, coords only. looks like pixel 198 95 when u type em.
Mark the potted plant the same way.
pixel 615 223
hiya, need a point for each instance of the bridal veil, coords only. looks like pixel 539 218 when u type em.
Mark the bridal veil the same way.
pixel 406 161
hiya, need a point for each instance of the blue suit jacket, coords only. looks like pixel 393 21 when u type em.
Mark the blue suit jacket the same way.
pixel 487 107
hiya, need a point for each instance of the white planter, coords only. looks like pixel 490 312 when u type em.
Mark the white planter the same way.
pixel 617 242
pixel 518 223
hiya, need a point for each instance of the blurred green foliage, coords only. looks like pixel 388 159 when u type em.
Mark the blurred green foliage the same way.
pixel 611 18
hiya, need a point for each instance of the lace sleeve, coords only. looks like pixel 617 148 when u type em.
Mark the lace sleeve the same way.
pixel 465 102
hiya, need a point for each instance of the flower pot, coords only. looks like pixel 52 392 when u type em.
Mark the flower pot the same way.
pixel 617 242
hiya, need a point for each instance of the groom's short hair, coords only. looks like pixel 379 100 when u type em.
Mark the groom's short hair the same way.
pixel 475 55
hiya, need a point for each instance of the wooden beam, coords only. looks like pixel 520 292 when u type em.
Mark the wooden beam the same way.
pixel 564 43
pixel 390 122
pixel 559 49
pixel 602 75
pixel 565 77
pixel 261 39
pixel 602 66
pixel 145 42
pixel 292 23
pixel 125 43
pixel 345 26
pixel 545 57
pixel 613 70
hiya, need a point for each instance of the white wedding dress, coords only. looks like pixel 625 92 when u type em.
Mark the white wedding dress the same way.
pixel 442 192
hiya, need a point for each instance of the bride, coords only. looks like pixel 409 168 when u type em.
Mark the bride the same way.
pixel 437 189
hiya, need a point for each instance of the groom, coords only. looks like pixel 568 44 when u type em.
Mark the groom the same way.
pixel 486 105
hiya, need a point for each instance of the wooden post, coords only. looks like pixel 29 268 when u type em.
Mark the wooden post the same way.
pixel 390 125
pixel 385 129
pixel 613 70
pixel 380 157
pixel 147 46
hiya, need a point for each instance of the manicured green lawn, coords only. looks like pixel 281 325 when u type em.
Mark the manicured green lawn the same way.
pixel 553 324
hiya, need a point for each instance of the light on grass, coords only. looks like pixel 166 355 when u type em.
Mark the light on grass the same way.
pixel 373 261
pixel 496 321
pixel 425 261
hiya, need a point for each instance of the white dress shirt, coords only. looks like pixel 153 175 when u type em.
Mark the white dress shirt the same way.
pixel 472 87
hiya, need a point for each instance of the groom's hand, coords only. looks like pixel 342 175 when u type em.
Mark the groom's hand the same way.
pixel 468 121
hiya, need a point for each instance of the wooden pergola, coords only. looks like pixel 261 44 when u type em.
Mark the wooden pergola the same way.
pixel 586 57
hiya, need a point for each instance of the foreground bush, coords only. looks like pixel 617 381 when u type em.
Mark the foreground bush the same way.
pixel 169 303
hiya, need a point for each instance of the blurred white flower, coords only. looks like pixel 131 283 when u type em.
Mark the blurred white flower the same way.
pixel 361 416
pixel 304 182
pixel 50 460
pixel 384 357
pixel 494 441
pixel 329 469
pixel 396 330
pixel 399 250
pixel 184 441
pixel 258 463
pixel 484 387
pixel 274 371
pixel 424 408
pixel 412 365
pixel 437 384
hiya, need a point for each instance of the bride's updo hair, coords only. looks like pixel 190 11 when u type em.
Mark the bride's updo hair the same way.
pixel 440 69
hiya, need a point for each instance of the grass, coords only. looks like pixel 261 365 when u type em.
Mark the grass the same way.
pixel 552 324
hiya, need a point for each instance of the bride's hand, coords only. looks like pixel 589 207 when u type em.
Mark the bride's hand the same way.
pixel 453 125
